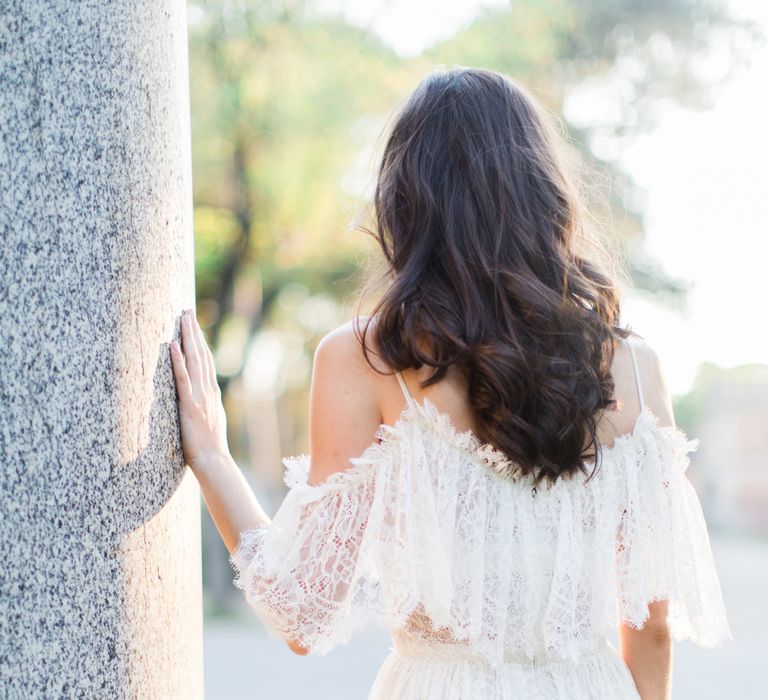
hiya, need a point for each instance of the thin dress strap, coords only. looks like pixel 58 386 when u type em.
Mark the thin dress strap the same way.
pixel 637 374
pixel 406 393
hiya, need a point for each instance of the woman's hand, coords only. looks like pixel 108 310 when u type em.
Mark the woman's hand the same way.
pixel 201 413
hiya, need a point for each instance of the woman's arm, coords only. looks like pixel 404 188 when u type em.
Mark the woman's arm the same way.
pixel 344 416
pixel 229 499
pixel 648 653
pixel 227 494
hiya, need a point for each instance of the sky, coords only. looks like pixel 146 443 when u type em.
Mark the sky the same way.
pixel 706 180
pixel 704 176
pixel 409 26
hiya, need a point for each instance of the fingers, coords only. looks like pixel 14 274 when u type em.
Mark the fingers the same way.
pixel 191 350
pixel 183 383
pixel 200 363
pixel 206 357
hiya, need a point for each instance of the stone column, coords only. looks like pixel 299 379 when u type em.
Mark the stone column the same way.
pixel 100 585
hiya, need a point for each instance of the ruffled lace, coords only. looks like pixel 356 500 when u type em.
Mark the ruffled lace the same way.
pixel 664 551
pixel 429 531
pixel 304 574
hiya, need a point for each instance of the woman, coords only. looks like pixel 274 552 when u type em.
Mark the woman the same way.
pixel 519 492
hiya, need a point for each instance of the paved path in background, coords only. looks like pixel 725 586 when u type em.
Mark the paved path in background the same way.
pixel 242 663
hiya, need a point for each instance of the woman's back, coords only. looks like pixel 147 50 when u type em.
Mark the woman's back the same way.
pixel 492 587
pixel 451 396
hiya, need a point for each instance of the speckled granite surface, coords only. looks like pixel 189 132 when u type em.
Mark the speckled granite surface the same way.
pixel 100 585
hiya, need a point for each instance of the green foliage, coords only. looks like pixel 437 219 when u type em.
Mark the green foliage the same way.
pixel 289 102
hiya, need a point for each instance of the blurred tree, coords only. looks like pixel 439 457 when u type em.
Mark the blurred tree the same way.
pixel 275 100
pixel 619 64
pixel 284 100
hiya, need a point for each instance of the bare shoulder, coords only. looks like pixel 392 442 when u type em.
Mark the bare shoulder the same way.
pixel 343 346
pixel 344 409
pixel 650 373
pixel 339 356
pixel 650 367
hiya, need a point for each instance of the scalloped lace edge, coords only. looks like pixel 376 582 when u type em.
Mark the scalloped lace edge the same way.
pixel 466 442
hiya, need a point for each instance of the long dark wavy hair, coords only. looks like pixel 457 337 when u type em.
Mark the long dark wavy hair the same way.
pixel 482 228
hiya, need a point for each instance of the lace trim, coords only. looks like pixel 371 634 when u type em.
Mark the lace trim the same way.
pixel 296 475
pixel 440 424
pixel 487 455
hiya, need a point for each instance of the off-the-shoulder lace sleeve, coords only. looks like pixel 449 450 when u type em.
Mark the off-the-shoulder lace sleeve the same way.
pixel 308 574
pixel 663 546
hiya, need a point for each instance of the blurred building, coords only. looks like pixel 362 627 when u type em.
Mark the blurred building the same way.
pixel 730 467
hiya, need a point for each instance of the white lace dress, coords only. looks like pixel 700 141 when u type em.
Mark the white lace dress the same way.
pixel 490 589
